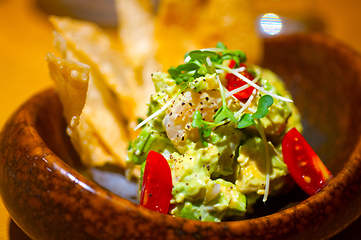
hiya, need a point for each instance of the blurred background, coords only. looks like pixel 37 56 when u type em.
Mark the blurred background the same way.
pixel 26 37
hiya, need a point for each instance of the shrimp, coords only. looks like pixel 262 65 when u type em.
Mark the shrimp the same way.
pixel 179 116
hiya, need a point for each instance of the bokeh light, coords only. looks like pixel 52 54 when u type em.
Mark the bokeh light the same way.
pixel 271 23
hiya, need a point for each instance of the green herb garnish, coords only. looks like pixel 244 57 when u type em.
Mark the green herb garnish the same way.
pixel 221 45
pixel 264 103
pixel 201 62
pixel 246 120
pixel 204 127
pixel 224 113
pixel 185 72
pixel 198 65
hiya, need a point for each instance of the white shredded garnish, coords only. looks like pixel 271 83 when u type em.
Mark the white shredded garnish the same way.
pixel 213 49
pixel 261 89
pixel 221 88
pixel 227 95
pixel 240 69
pixel 246 105
pixel 266 190
pixel 155 114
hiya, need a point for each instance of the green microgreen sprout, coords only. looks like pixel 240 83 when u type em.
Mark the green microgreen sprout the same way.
pixel 185 72
pixel 210 58
pixel 221 45
pixel 200 62
pixel 204 127
pixel 225 54
pixel 201 56
pixel 264 103
pixel 223 112
pixel 204 57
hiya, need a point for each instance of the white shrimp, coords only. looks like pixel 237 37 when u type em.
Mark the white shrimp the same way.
pixel 179 116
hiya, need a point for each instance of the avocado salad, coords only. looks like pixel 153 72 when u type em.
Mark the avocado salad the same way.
pixel 218 121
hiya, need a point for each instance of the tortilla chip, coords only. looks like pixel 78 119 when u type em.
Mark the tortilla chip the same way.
pixel 89 145
pixel 136 30
pixel 233 23
pixel 175 30
pixel 92 46
pixel 182 26
pixel 72 79
pixel 101 136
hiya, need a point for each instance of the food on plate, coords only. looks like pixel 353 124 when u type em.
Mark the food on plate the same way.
pixel 218 121
pixel 218 133
pixel 119 84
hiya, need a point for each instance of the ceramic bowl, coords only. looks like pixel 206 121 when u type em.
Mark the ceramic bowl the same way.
pixel 45 194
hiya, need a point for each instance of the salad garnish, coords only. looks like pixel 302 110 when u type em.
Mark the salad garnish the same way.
pixel 207 61
pixel 200 62
pixel 209 121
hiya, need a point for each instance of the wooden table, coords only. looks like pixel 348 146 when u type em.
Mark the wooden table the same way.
pixel 26 37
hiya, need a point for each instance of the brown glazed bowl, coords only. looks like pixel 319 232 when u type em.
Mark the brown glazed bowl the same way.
pixel 48 198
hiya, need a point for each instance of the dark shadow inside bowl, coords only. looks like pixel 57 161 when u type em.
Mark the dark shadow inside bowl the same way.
pixel 324 82
pixel 324 79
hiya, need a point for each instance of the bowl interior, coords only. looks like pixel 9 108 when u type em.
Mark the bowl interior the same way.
pixel 324 79
pixel 325 83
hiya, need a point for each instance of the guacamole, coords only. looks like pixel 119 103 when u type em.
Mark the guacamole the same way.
pixel 223 149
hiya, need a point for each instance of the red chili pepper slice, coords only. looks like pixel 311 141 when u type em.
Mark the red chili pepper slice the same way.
pixel 305 167
pixel 235 82
pixel 157 183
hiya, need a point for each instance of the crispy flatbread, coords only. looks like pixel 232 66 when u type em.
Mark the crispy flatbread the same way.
pixel 72 79
pixel 182 26
pixel 71 84
pixel 101 135
pixel 136 30
pixel 92 46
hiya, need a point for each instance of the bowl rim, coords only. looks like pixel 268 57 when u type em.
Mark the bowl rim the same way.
pixel 290 218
